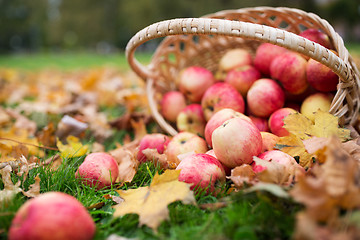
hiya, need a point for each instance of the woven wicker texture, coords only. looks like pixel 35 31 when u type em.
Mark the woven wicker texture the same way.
pixel 203 41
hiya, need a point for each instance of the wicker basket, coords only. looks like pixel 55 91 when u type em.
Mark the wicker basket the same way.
pixel 203 41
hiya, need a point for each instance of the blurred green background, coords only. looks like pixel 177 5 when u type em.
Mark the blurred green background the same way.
pixel 106 26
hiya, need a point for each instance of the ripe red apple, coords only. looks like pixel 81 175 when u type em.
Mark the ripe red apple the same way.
pixel 269 141
pixel 321 77
pixel 290 69
pixel 52 215
pixel 98 170
pixel 227 170
pixel 276 121
pixel 202 171
pixel 265 54
pixel 260 123
pixel 184 142
pixel 264 97
pixel 236 141
pixel 315 102
pixel 242 78
pixel 193 82
pixel 234 58
pixel 219 118
pixel 191 119
pixel 219 96
pixel 317 36
pixel 156 141
pixel 171 105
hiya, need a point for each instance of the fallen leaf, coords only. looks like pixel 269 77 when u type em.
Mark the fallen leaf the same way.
pixel 73 148
pixel 34 189
pixel 274 189
pixel 159 158
pixel 70 126
pixel 353 148
pixel 301 128
pixel 151 202
pixel 214 206
pixel 10 189
pixel 139 128
pixel 243 175
pixel 273 172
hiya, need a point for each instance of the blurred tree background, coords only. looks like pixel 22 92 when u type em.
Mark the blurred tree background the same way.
pixel 107 25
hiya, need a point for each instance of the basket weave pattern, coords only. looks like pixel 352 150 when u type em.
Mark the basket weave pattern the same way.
pixel 203 41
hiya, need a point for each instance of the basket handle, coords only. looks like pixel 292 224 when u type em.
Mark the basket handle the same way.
pixel 210 26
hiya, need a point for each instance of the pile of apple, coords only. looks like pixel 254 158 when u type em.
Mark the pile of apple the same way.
pixel 227 118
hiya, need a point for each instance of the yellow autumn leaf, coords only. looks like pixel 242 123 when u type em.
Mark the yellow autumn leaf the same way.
pixel 73 148
pixel 301 128
pixel 151 202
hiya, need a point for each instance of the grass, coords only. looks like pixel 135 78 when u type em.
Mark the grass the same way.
pixel 68 61
pixel 248 216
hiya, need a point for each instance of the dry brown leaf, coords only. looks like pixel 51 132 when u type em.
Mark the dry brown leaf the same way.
pixel 242 175
pixel 54 161
pixel 159 158
pixel 151 203
pixel 128 164
pixel 34 189
pixel 10 189
pixel 46 136
pixel 273 172
pixel 22 121
pixel 334 184
pixel 139 128
pixel 353 148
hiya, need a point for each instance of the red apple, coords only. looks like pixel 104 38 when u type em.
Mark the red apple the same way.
pixel 52 215
pixel 269 141
pixel 236 141
pixel 260 123
pixel 315 102
pixel 317 36
pixel 227 170
pixel 191 119
pixel 219 96
pixel 265 97
pixel 321 77
pixel 219 118
pixel 98 170
pixel 184 142
pixel 265 54
pixel 171 105
pixel 156 141
pixel 276 121
pixel 234 58
pixel 193 82
pixel 202 171
pixel 290 69
pixel 242 78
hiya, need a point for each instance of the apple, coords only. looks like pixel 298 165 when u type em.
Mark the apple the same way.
pixel 98 170
pixel 156 141
pixel 242 78
pixel 219 118
pixel 260 123
pixel 184 142
pixel 320 77
pixel 236 141
pixel 219 96
pixel 52 215
pixel 290 69
pixel 227 170
pixel 264 97
pixel 276 121
pixel 314 102
pixel 265 54
pixel 191 119
pixel 234 58
pixel 171 105
pixel 202 171
pixel 317 36
pixel 269 141
pixel 193 82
